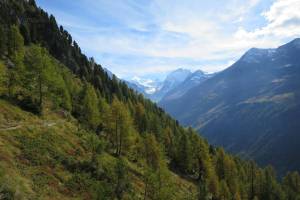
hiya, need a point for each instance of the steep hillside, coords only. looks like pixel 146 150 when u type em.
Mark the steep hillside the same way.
pixel 69 131
pixel 52 158
pixel 251 108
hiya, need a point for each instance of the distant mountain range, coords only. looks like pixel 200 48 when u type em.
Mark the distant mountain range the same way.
pixel 191 81
pixel 252 108
pixel 175 84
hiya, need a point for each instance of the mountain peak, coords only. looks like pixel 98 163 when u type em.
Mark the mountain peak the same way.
pixel 181 69
pixel 254 55
pixel 178 75
pixel 292 44
pixel 295 41
pixel 199 71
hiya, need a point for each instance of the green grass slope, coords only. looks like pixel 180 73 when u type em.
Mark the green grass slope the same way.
pixel 48 158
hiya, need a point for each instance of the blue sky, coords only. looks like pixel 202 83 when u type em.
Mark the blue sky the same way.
pixel 149 38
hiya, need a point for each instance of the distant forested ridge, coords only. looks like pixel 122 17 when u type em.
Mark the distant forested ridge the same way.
pixel 68 131
pixel 251 108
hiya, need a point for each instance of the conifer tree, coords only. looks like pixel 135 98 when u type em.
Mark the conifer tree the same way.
pixel 291 184
pixel 121 126
pixel 90 109
pixel 39 73
pixel 3 41
pixel 224 191
pixel 140 118
pixel 16 54
pixel 3 77
pixel 15 45
pixel 122 183
pixel 184 155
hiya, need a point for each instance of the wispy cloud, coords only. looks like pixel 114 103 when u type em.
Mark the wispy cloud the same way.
pixel 142 37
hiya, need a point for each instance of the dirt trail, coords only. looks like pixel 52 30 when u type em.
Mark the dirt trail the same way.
pixel 19 126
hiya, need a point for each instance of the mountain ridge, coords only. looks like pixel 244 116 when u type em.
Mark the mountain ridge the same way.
pixel 258 91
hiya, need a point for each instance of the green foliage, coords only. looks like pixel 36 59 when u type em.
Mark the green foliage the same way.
pixel 124 143
pixel 90 109
pixel 39 73
pixel 291 183
pixel 120 127
pixel 15 45
pixel 224 191
pixel 122 182
pixel 6 191
pixel 16 55
pixel 3 40
pixel 140 118
pixel 3 78
pixel 184 156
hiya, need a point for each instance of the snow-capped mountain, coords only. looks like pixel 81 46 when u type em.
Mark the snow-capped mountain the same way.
pixel 172 81
pixel 251 108
pixel 191 81
pixel 149 86
pixel 175 84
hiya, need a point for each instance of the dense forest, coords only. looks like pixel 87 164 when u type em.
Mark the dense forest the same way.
pixel 123 145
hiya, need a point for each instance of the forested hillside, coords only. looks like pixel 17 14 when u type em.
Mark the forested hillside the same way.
pixel 251 108
pixel 68 131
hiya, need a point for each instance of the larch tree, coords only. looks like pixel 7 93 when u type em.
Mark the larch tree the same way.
pixel 90 108
pixel 122 182
pixel 39 73
pixel 140 118
pixel 291 184
pixel 121 126
pixel 16 53
pixel 3 77
pixel 3 41
pixel 184 156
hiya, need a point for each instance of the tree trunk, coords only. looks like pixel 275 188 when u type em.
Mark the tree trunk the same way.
pixel 146 190
pixel 116 138
pixel 40 94
pixel 120 146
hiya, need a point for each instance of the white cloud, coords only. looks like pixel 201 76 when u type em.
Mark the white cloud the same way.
pixel 208 35
pixel 283 21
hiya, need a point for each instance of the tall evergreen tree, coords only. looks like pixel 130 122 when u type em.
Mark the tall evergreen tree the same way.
pixel 16 53
pixel 291 184
pixel 184 155
pixel 3 41
pixel 39 73
pixel 3 77
pixel 122 183
pixel 15 45
pixel 90 109
pixel 121 126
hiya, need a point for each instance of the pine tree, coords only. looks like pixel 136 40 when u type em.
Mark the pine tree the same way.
pixel 15 45
pixel 3 41
pixel 3 78
pixel 203 190
pixel 152 152
pixel 24 30
pixel 224 191
pixel 291 183
pixel 184 155
pixel 168 141
pixel 120 126
pixel 140 118
pixel 122 183
pixel 39 73
pixel 16 54
pixel 90 109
